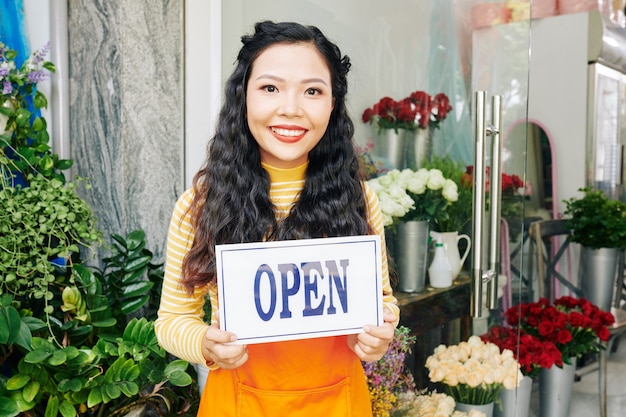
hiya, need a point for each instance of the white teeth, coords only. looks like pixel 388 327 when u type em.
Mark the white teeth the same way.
pixel 287 132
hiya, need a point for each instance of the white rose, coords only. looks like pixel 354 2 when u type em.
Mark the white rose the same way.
pixel 416 185
pixel 450 191
pixel 436 180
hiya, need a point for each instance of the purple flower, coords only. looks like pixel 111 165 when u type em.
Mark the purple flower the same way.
pixel 4 71
pixel 37 76
pixel 39 55
pixel 7 87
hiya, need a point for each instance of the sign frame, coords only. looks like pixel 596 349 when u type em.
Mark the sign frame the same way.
pixel 279 270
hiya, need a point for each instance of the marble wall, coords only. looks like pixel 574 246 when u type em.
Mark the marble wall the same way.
pixel 126 111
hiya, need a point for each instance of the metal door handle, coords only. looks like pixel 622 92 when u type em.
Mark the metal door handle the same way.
pixel 481 275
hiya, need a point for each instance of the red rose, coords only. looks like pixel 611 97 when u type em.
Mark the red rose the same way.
pixel 517 181
pixel 603 333
pixel 576 319
pixel 563 337
pixel 545 328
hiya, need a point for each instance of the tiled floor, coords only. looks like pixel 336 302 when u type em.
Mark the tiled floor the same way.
pixel 585 397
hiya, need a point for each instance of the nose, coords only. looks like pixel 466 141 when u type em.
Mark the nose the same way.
pixel 290 106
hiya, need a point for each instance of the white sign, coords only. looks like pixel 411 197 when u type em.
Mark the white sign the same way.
pixel 299 289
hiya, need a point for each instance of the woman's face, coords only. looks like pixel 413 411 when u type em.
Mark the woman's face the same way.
pixel 289 102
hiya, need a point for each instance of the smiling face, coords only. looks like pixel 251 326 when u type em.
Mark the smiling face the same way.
pixel 289 102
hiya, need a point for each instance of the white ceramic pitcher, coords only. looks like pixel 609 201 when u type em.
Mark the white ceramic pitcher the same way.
pixel 451 246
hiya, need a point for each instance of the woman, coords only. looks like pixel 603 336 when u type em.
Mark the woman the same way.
pixel 280 166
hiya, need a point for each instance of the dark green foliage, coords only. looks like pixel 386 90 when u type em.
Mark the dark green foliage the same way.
pixel 596 221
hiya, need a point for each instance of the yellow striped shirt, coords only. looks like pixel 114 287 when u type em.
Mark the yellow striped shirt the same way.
pixel 180 326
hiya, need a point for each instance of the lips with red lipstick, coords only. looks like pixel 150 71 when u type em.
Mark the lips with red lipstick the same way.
pixel 288 134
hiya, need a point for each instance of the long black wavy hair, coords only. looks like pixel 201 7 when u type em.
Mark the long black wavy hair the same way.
pixel 231 191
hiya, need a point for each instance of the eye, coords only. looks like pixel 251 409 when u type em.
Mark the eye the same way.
pixel 269 88
pixel 313 91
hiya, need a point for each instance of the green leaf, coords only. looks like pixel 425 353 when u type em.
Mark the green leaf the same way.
pixel 52 410
pixel 135 240
pixel 37 356
pixel 133 305
pixel 129 371
pixel 22 404
pixel 17 381
pixel 67 409
pixel 177 365
pixel 58 358
pixel 112 391
pixel 5 330
pixel 137 263
pixel 132 276
pixel 95 397
pixel 22 118
pixel 24 337
pixel 180 379
pixel 109 322
pixel 136 289
pixel 31 390
pixel 8 407
pixel 130 389
pixel 34 324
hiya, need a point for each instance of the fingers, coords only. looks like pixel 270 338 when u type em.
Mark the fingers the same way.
pixel 216 350
pixel 372 344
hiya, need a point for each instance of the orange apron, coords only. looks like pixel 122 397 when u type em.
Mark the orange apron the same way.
pixel 300 378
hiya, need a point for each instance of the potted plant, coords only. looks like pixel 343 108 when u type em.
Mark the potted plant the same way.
pixel 533 355
pixel 70 339
pixel 598 224
pixel 404 128
pixel 596 221
pixel 410 201
pixel 23 132
pixel 576 327
pixel 474 372
pixel 86 356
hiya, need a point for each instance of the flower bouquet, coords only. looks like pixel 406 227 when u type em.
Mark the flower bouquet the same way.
pixel 417 111
pixel 575 326
pixel 387 377
pixel 532 353
pixel 474 372
pixel 372 167
pixel 414 195
pixel 433 404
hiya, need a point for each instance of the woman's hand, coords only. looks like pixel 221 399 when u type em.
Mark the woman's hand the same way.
pixel 216 351
pixel 372 344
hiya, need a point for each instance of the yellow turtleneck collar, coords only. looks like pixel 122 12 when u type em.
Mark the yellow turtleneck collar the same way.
pixel 285 174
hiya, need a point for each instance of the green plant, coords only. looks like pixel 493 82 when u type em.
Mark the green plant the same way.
pixel 595 221
pixel 459 213
pixel 40 223
pixel 111 378
pixel 89 359
pixel 68 344
pixel 23 132
pixel 129 278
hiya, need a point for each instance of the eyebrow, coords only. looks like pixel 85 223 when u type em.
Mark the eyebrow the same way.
pixel 305 81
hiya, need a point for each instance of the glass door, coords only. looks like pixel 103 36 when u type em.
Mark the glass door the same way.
pixel 465 49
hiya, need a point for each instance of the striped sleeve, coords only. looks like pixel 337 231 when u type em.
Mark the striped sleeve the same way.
pixel 376 222
pixel 180 325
